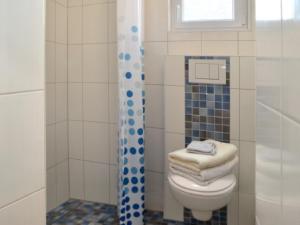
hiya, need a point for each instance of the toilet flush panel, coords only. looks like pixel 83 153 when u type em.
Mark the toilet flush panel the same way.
pixel 207 71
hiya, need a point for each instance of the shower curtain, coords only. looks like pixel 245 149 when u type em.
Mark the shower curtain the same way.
pixel 132 109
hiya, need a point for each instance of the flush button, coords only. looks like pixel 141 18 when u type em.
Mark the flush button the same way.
pixel 207 71
pixel 202 71
pixel 214 71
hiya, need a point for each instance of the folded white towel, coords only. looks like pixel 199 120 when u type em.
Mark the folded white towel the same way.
pixel 198 162
pixel 207 176
pixel 202 147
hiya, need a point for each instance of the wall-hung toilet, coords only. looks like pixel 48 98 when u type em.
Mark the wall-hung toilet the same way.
pixel 202 200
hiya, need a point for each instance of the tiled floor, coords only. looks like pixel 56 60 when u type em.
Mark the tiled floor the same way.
pixel 76 212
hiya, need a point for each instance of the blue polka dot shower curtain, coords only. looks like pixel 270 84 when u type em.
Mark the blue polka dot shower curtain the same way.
pixel 132 103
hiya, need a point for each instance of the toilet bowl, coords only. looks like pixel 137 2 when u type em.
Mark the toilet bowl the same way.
pixel 202 200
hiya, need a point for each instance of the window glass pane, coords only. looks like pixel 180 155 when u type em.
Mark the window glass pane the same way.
pixel 207 10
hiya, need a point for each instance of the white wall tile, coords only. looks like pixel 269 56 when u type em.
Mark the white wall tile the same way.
pixel 113 147
pixel 61 65
pixel 247 72
pixel 95 63
pixel 247 36
pixel 175 71
pixel 96 182
pixel 154 106
pixel 96 142
pixel 112 22
pixel 61 100
pixel 50 103
pixel 220 36
pixel 95 23
pixel 184 36
pixel 246 209
pixel 172 209
pixel 113 103
pixel 76 179
pixel 154 194
pixel 87 2
pixel 247 115
pixel 75 63
pixel 155 54
pixel 75 106
pixel 247 48
pixel 156 27
pixel 234 72
pixel 63 182
pixel 75 3
pixel 174 109
pixel 234 114
pixel 30 210
pixel 50 146
pixel 113 185
pixel 154 149
pixel 233 210
pixel 50 20
pixel 50 62
pixel 247 167
pixel 95 102
pixel 76 139
pixel 61 145
pixel 113 63
pixel 184 48
pixel 61 24
pixel 51 189
pixel 62 2
pixel 173 142
pixel 75 25
pixel 22 46
pixel 220 48
pixel 22 141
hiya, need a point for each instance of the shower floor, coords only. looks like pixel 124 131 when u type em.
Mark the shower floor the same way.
pixel 77 212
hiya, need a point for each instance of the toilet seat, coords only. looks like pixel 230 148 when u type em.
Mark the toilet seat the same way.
pixel 219 187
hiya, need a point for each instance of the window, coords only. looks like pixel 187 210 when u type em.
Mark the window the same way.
pixel 209 14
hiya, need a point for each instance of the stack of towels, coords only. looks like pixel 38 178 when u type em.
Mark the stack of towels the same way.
pixel 204 161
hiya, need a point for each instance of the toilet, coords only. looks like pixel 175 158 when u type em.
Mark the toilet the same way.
pixel 202 200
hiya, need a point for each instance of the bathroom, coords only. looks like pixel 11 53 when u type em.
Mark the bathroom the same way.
pixel 88 87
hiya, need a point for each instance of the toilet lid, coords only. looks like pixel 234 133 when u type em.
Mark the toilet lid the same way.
pixel 216 186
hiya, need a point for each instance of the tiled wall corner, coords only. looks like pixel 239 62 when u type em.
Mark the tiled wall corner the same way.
pixel 92 99
pixel 57 103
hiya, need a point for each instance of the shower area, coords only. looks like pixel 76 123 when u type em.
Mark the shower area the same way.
pixel 95 161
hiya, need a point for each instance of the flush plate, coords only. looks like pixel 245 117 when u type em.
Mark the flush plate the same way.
pixel 207 71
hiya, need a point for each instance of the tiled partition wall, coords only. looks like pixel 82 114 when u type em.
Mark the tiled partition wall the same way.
pixel 22 113
pixel 167 116
pixel 92 82
pixel 56 103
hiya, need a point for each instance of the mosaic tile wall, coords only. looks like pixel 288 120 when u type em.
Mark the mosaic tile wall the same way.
pixel 207 116
pixel 207 107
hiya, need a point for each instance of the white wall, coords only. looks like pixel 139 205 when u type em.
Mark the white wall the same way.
pixel 56 103
pixel 278 120
pixel 22 152
pixel 92 101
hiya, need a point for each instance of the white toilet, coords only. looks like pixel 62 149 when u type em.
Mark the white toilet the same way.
pixel 202 200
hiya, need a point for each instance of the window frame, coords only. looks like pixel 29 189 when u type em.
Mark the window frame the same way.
pixel 241 22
